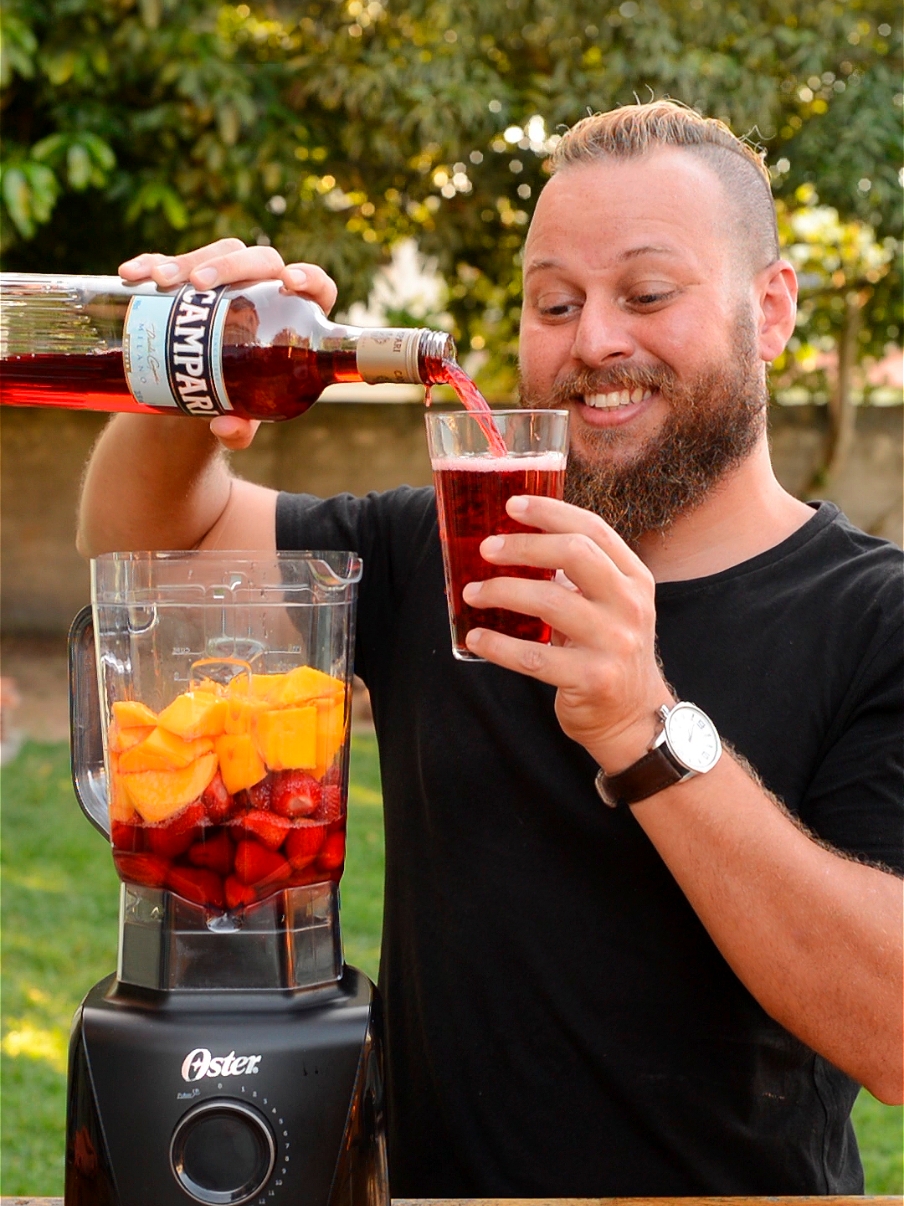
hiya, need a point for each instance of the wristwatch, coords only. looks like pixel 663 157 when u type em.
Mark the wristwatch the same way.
pixel 688 745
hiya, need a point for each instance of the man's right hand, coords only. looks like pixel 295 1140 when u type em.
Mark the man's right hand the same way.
pixel 225 263
pixel 161 482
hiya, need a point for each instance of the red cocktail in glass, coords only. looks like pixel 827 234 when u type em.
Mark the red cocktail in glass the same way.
pixel 473 484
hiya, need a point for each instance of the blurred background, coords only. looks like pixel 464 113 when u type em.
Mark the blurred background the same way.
pixel 403 147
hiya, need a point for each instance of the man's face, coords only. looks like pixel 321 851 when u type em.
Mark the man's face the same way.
pixel 637 318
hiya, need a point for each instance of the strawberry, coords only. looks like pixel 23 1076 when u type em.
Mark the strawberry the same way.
pixel 215 851
pixel 126 837
pixel 295 793
pixel 237 893
pixel 303 844
pixel 257 796
pixel 148 869
pixel 196 884
pixel 175 837
pixel 332 853
pixel 219 805
pixel 255 863
pixel 331 804
pixel 268 828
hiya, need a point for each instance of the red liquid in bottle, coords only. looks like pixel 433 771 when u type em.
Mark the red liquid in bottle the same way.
pixel 471 496
pixel 262 382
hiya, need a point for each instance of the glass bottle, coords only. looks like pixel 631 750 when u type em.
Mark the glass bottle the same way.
pixel 256 351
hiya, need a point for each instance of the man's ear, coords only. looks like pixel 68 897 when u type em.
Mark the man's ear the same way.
pixel 775 305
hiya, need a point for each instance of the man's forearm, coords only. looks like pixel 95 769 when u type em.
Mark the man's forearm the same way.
pixel 152 482
pixel 815 937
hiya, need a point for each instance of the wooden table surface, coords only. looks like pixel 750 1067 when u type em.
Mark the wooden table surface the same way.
pixel 738 1201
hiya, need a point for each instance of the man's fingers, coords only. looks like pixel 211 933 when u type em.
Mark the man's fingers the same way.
pixel 552 515
pixel 139 267
pixel 242 264
pixel 232 432
pixel 175 270
pixel 313 282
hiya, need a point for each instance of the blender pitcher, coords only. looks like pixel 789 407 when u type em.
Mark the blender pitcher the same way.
pixel 209 726
pixel 224 700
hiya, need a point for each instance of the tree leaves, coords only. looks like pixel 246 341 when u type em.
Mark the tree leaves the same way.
pixel 342 129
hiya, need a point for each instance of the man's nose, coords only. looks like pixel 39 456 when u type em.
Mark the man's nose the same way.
pixel 602 336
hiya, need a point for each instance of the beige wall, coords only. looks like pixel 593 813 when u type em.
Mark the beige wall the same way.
pixel 338 446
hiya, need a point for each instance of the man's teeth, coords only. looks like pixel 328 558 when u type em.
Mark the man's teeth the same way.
pixel 621 397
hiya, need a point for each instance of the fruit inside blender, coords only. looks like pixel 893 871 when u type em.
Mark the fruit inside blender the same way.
pixel 233 790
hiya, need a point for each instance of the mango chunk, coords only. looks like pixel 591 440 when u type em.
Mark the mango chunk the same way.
pixel 287 738
pixel 256 686
pixel 157 795
pixel 240 763
pixel 330 732
pixel 119 740
pixel 162 750
pixel 129 712
pixel 305 684
pixel 240 713
pixel 119 803
pixel 194 714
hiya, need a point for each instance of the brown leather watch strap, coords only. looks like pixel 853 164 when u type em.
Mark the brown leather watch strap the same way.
pixel 654 772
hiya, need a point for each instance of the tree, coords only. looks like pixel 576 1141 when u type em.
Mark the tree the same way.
pixel 339 132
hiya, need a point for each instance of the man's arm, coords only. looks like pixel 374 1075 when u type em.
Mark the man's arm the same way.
pixel 155 482
pixel 816 937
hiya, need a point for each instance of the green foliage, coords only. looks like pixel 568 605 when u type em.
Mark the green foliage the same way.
pixel 337 129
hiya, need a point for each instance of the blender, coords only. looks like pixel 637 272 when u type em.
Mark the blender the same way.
pixel 233 1057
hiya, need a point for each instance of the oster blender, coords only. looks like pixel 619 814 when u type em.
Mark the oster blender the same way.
pixel 233 1057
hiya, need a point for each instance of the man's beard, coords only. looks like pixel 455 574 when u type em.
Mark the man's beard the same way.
pixel 713 423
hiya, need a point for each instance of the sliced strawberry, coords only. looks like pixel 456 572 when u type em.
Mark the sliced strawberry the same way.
pixel 332 804
pixel 175 837
pixel 255 863
pixel 332 853
pixel 219 805
pixel 148 869
pixel 214 851
pixel 127 837
pixel 257 796
pixel 310 875
pixel 333 776
pixel 303 844
pixel 238 894
pixel 198 884
pixel 266 827
pixel 295 793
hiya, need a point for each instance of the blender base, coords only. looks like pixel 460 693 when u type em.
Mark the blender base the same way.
pixel 264 1097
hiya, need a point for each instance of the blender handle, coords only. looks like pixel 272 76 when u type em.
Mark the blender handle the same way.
pixel 86 745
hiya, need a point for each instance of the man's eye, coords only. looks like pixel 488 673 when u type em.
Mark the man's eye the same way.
pixel 650 299
pixel 556 309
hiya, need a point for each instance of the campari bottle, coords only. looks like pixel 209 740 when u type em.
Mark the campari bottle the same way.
pixel 256 351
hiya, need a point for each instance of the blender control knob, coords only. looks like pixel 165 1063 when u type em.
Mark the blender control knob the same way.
pixel 222 1152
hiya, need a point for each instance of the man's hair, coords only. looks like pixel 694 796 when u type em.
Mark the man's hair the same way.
pixel 636 130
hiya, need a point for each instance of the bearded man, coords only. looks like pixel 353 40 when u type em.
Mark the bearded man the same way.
pixel 603 976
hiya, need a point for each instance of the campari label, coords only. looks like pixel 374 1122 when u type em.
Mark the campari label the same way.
pixel 172 348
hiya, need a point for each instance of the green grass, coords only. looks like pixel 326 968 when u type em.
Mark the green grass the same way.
pixel 60 901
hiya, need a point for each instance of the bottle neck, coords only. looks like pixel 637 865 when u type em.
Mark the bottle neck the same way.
pixel 402 355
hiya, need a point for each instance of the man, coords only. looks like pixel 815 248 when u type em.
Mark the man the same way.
pixel 681 994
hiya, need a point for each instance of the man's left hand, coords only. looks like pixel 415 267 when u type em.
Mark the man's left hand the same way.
pixel 603 654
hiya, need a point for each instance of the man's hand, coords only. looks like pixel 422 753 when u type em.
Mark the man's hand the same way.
pixel 603 656
pixel 227 262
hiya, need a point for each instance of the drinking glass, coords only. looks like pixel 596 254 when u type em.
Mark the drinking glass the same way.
pixel 479 460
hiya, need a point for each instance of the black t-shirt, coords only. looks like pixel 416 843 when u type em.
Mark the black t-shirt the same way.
pixel 558 1020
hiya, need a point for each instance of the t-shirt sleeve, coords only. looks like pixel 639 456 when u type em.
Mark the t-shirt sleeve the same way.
pixel 390 531
pixel 856 798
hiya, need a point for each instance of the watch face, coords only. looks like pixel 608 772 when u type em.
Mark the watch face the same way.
pixel 692 738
